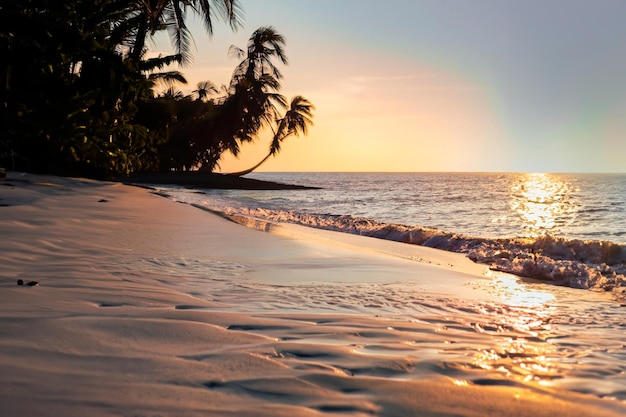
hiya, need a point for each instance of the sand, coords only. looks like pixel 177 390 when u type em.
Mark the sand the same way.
pixel 146 307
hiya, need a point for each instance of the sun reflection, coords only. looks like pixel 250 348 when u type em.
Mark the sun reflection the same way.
pixel 542 202
pixel 512 291
pixel 522 360
pixel 520 323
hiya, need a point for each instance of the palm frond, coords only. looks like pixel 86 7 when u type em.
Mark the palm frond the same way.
pixel 159 62
pixel 236 52
pixel 204 88
pixel 169 77
pixel 174 19
pixel 235 14
pixel 172 93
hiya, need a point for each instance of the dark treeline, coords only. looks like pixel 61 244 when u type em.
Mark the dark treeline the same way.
pixel 77 90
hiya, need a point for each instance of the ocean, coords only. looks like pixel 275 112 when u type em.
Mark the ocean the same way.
pixel 568 229
pixel 555 324
pixel 486 205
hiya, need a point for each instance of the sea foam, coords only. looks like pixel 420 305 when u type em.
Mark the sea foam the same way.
pixel 582 264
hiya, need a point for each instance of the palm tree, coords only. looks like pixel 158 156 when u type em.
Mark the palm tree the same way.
pixel 205 88
pixel 264 45
pixel 253 92
pixel 152 16
pixel 295 121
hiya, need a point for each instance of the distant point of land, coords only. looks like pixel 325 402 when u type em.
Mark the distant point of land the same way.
pixel 194 179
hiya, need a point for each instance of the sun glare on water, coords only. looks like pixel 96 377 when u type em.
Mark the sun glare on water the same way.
pixel 542 202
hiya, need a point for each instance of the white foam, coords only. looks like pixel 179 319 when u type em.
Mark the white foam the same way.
pixel 598 265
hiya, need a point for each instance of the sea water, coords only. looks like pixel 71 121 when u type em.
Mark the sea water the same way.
pixel 487 205
pixel 563 229
pixel 569 229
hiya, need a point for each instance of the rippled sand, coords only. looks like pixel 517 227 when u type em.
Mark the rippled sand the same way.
pixel 146 307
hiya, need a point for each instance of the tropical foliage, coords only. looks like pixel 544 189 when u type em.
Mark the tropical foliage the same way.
pixel 295 121
pixel 78 91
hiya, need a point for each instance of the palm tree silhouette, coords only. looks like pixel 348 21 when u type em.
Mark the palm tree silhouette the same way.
pixel 253 94
pixel 152 16
pixel 295 121
pixel 265 45
pixel 205 88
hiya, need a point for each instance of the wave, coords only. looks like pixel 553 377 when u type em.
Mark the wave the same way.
pixel 591 264
pixel 584 264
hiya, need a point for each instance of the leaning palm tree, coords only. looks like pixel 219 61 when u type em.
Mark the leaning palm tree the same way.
pixel 253 96
pixel 296 120
pixel 239 117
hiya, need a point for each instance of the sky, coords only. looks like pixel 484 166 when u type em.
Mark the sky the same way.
pixel 439 85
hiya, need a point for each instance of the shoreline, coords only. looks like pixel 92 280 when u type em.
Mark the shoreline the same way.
pixel 597 265
pixel 209 180
pixel 149 307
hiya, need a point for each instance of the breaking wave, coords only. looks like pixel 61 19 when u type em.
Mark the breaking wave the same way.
pixel 589 264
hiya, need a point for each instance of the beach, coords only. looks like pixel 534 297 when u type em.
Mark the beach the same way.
pixel 147 307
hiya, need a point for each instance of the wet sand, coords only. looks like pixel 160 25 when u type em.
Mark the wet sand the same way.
pixel 146 307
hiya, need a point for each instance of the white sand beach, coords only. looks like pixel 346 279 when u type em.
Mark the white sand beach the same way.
pixel 145 307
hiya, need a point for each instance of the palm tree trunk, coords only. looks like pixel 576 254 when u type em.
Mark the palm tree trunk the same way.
pixel 249 170
pixel 140 42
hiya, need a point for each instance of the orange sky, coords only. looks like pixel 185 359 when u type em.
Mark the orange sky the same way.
pixel 441 86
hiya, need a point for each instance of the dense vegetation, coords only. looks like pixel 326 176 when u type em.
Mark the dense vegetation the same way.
pixel 78 91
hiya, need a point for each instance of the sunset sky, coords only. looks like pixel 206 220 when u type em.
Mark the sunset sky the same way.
pixel 441 85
